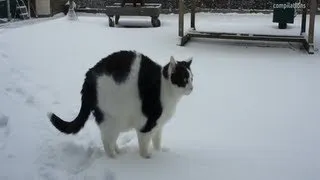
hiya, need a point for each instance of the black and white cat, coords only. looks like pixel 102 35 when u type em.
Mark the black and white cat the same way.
pixel 127 90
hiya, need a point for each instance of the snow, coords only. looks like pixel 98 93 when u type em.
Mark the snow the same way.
pixel 253 114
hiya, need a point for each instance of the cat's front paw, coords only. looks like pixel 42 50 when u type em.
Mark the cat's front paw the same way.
pixel 146 156
pixel 165 149
pixel 121 150
pixel 111 152
pixel 161 149
pixel 111 155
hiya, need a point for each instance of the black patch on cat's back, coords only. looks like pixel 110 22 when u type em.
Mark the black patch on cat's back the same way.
pixel 118 65
pixel 149 85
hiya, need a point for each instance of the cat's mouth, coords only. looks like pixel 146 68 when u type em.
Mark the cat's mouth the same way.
pixel 188 91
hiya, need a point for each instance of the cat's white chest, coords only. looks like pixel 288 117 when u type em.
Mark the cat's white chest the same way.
pixel 169 101
pixel 168 110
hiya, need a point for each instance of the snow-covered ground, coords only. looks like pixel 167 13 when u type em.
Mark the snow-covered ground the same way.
pixel 254 113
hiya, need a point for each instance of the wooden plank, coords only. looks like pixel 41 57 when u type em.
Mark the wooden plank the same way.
pixel 91 10
pixel 313 9
pixel 242 34
pixel 147 10
pixel 146 5
pixel 29 8
pixel 235 36
pixel 131 12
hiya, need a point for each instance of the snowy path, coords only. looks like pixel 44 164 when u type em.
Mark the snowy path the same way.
pixel 254 114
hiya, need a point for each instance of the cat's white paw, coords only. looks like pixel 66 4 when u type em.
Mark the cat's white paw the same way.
pixel 161 149
pixel 165 149
pixel 146 155
pixel 111 154
pixel 156 147
pixel 121 150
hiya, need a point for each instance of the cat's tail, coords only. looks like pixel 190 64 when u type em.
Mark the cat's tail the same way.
pixel 87 103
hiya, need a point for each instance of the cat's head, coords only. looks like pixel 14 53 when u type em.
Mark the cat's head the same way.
pixel 180 75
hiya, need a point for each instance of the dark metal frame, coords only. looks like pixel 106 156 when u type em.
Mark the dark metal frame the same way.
pixel 306 39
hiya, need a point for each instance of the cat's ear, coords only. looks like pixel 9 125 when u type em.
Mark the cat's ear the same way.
pixel 189 61
pixel 172 64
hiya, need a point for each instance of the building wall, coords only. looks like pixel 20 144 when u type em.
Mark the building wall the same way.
pixel 43 7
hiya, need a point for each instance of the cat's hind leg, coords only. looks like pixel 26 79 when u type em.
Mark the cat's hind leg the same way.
pixel 156 139
pixel 109 136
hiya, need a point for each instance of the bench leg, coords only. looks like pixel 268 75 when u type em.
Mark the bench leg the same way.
pixel 111 23
pixel 155 21
pixel 116 20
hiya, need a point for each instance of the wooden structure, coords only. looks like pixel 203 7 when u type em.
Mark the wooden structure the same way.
pixel 8 10
pixel 129 9
pixel 22 10
pixel 47 8
pixel 307 39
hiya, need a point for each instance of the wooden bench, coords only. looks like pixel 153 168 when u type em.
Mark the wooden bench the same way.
pixel 128 9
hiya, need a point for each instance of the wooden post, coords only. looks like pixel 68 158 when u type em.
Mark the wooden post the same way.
pixel 304 17
pixel 313 10
pixel 193 7
pixel 29 9
pixel 181 17
pixel 9 10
